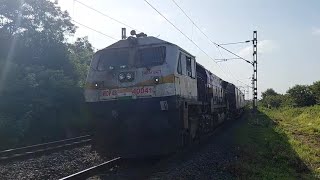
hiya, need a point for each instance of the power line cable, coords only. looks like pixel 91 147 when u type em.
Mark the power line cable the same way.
pixel 187 37
pixel 114 19
pixel 95 30
pixel 216 45
pixel 213 59
pixel 178 29
pixel 240 42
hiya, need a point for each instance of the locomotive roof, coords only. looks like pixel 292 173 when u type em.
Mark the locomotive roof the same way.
pixel 141 41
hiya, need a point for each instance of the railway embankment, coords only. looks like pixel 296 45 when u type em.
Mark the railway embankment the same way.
pixel 280 143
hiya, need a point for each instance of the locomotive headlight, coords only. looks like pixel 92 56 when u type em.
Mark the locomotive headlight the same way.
pixel 156 80
pixel 111 68
pixel 129 76
pixel 121 76
pixel 97 85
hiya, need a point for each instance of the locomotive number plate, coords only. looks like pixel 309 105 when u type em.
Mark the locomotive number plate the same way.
pixel 126 92
pixel 143 91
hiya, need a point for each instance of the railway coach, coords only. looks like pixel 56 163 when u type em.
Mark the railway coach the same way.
pixel 150 97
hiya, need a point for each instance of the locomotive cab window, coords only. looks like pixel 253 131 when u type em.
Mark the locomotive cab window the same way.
pixel 111 59
pixel 150 56
pixel 189 66
pixel 193 68
pixel 179 67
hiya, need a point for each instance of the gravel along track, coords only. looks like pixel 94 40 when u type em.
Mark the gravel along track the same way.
pixel 52 166
pixel 212 160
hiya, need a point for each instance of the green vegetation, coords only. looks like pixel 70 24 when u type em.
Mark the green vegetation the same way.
pixel 41 74
pixel 297 96
pixel 283 140
pixel 280 144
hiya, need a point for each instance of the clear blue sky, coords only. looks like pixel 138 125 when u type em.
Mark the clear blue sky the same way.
pixel 288 33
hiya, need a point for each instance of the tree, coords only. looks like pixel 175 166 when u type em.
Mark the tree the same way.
pixel 270 98
pixel 268 92
pixel 315 89
pixel 274 101
pixel 301 95
pixel 29 16
pixel 81 53
pixel 41 97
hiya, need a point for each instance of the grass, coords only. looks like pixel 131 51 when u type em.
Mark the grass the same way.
pixel 280 144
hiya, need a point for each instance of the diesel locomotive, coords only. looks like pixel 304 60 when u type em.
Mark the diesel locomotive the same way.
pixel 150 97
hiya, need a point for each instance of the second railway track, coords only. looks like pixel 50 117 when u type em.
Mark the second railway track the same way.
pixel 44 148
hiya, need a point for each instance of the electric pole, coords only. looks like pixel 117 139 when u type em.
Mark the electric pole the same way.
pixel 255 71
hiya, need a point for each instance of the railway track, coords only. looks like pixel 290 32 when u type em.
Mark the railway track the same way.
pixel 94 170
pixel 118 168
pixel 44 148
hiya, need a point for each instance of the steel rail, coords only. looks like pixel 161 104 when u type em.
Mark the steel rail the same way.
pixel 43 148
pixel 84 174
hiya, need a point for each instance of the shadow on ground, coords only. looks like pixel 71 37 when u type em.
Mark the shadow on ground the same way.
pixel 264 152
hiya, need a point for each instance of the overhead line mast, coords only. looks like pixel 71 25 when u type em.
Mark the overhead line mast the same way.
pixel 255 71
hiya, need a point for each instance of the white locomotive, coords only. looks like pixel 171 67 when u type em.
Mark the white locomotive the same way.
pixel 150 97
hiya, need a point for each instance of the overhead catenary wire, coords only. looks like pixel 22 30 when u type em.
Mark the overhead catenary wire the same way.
pixel 231 75
pixel 240 42
pixel 114 19
pixel 226 59
pixel 213 59
pixel 179 30
pixel 95 30
pixel 214 43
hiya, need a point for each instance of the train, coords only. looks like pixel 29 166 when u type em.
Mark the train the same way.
pixel 149 97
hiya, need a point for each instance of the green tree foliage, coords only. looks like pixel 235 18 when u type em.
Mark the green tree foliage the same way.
pixel 301 95
pixel 81 53
pixel 297 96
pixel 41 75
pixel 271 99
pixel 31 16
pixel 287 101
pixel 268 92
pixel 315 89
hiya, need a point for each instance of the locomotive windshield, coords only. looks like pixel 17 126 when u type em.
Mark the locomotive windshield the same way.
pixel 113 59
pixel 150 56
pixel 144 57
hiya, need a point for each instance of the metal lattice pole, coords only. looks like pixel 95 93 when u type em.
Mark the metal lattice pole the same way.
pixel 255 71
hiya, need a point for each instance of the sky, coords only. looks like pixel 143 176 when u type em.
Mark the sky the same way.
pixel 288 34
